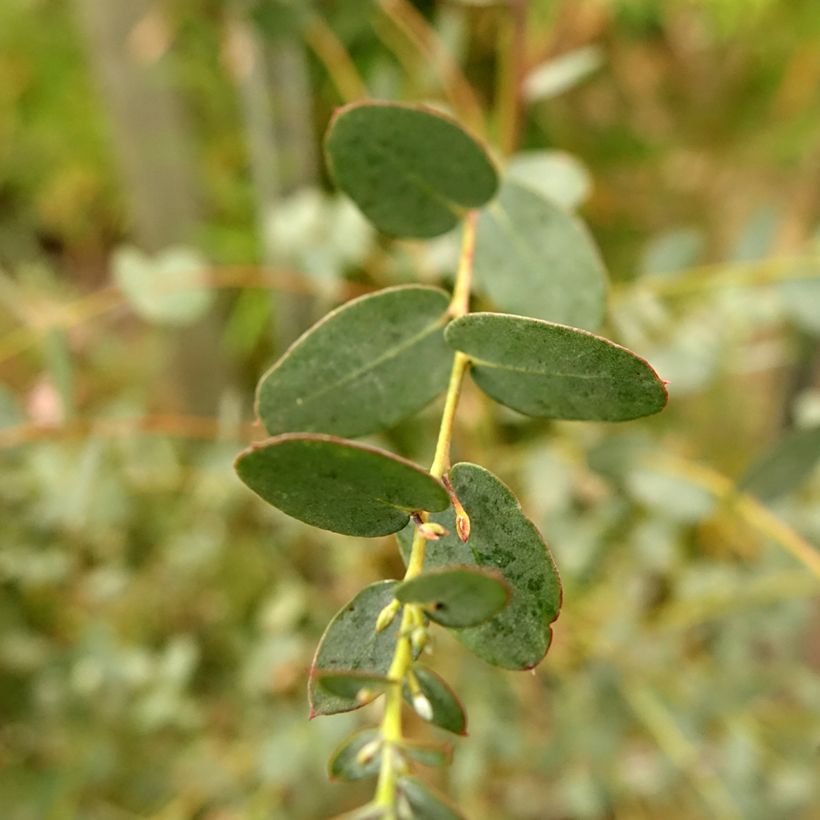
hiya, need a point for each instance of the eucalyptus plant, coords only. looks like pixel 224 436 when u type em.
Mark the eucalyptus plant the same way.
pixel 475 564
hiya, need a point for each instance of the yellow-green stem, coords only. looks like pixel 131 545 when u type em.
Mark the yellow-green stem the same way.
pixel 412 617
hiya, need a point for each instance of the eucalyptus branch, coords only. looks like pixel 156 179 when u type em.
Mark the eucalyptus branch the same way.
pixel 412 622
pixel 380 358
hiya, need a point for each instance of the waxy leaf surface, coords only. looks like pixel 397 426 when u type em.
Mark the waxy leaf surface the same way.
pixel 534 259
pixel 456 596
pixel 448 712
pixel 351 644
pixel 501 537
pixel 428 754
pixel 785 466
pixel 352 685
pixel 343 763
pixel 412 171
pixel 339 485
pixel 424 802
pixel 553 371
pixel 363 368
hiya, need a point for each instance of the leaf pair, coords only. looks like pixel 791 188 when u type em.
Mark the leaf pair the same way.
pixel 414 173
pixel 380 358
pixel 352 656
pixel 503 539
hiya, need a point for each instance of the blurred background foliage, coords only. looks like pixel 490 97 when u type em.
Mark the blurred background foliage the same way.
pixel 166 228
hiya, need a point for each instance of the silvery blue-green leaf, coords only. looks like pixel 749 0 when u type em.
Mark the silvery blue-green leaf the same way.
pixel 784 466
pixel 411 170
pixel 346 762
pixel 556 175
pixel 339 485
pixel 351 644
pixel 448 711
pixel 672 251
pixel 166 288
pixel 364 367
pixel 418 801
pixel 533 258
pixel 503 538
pixel 562 73
pixel 456 596
pixel 553 371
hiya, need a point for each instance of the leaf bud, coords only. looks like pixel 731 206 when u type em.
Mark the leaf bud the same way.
pixel 387 615
pixel 423 707
pixel 369 751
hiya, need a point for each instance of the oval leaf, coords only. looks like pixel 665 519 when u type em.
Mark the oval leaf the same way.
pixel 362 687
pixel 411 170
pixel 363 368
pixel 351 644
pixel 501 536
pixel 344 763
pixel 339 485
pixel 425 803
pixel 534 259
pixel 463 596
pixel 785 466
pixel 448 712
pixel 553 371
pixel 428 754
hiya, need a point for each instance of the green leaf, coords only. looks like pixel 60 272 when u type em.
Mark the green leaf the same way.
pixel 462 596
pixel 351 644
pixel 556 175
pixel 352 685
pixel 448 711
pixel 344 763
pixel 532 258
pixel 552 371
pixel 428 754
pixel 411 170
pixel 562 73
pixel 501 536
pixel 363 368
pixel 424 803
pixel 167 288
pixel 339 485
pixel 785 466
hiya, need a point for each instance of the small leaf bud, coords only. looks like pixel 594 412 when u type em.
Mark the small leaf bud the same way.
pixel 364 695
pixel 418 639
pixel 387 615
pixel 423 707
pixel 369 751
pixel 462 519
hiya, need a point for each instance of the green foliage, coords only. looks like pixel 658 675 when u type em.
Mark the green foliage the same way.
pixel 412 171
pixel 447 711
pixel 552 371
pixel 532 258
pixel 357 757
pixel 338 485
pixel 457 596
pixel 167 289
pixel 156 620
pixel 363 368
pixel 503 538
pixel 350 644
pixel 420 801
pixel 374 361
pixel 785 466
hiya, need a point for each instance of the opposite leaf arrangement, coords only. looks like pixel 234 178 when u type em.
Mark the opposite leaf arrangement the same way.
pixel 475 564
